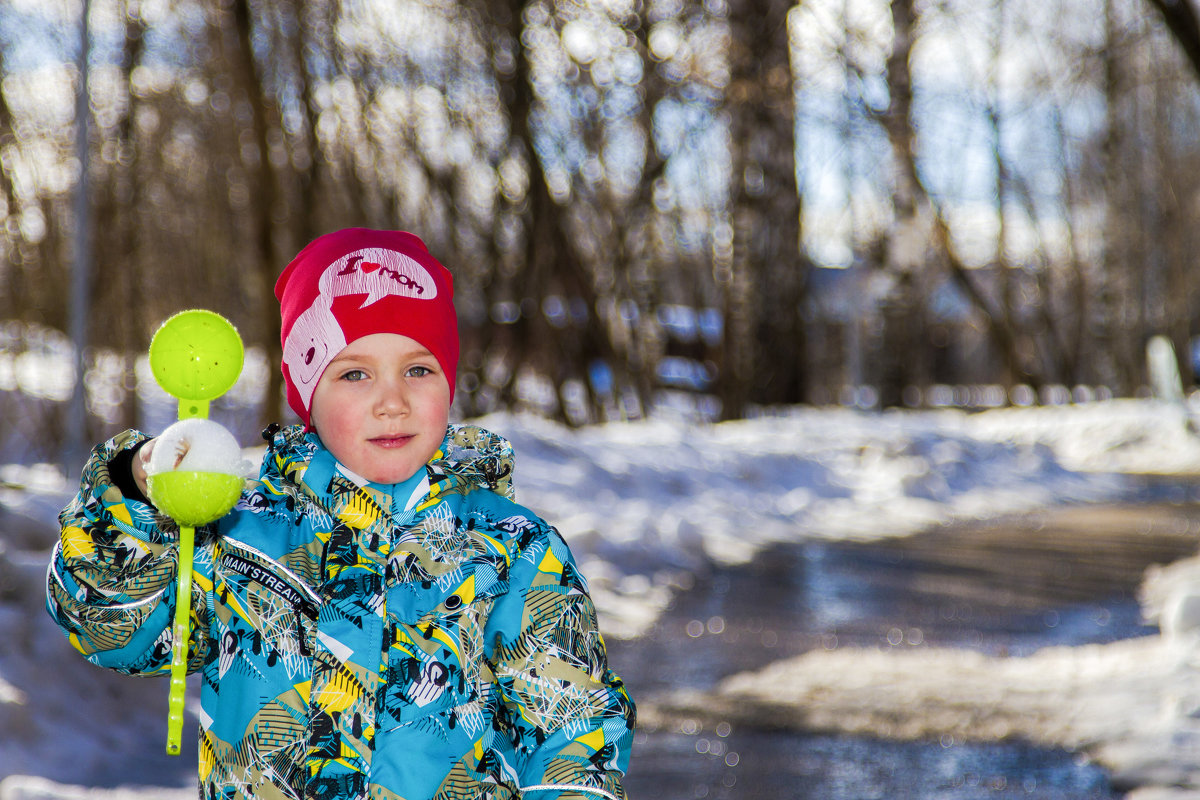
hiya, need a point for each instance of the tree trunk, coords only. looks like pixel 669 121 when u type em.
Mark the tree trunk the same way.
pixel 264 200
pixel 762 274
pixel 906 250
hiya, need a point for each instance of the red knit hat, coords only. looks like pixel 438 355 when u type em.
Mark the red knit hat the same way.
pixel 355 282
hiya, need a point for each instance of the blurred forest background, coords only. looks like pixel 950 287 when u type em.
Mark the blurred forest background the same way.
pixel 723 205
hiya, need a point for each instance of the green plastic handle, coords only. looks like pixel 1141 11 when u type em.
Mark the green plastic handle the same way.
pixel 196 356
pixel 180 633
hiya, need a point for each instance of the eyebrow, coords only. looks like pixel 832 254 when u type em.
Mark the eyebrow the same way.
pixel 341 357
pixel 412 354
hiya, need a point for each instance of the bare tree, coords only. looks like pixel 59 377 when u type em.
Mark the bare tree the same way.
pixel 762 271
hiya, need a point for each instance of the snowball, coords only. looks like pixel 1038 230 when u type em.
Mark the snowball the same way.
pixel 197 445
pixel 1181 616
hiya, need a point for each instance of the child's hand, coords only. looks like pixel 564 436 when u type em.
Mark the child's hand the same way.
pixel 145 455
pixel 139 466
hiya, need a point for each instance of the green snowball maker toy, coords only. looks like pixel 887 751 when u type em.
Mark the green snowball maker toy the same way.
pixel 193 475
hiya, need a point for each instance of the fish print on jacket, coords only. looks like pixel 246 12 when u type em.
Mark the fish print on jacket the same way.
pixel 431 639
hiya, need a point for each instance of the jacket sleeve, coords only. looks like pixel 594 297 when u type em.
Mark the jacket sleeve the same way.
pixel 111 583
pixel 572 718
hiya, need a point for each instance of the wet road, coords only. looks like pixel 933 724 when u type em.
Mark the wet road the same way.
pixel 1061 577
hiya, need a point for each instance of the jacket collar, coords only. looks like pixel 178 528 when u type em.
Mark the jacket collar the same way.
pixel 469 457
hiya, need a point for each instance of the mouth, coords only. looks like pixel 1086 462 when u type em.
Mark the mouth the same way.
pixel 391 440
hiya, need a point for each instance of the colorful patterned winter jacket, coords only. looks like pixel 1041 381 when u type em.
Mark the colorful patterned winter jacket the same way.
pixel 431 639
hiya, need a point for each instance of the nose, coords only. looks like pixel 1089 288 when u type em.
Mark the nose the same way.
pixel 392 399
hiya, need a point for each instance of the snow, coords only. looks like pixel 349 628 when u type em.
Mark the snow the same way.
pixel 648 505
pixel 199 445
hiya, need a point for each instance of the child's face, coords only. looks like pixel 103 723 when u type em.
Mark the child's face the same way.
pixel 381 407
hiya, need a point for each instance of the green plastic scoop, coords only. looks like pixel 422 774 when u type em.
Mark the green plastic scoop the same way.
pixel 196 356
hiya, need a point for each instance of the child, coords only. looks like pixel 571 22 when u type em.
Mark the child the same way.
pixel 376 618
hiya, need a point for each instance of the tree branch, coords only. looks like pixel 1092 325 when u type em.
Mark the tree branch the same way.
pixel 1182 21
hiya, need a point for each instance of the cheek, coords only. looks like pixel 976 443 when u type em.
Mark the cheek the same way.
pixel 334 427
pixel 337 435
pixel 437 410
pixel 331 416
